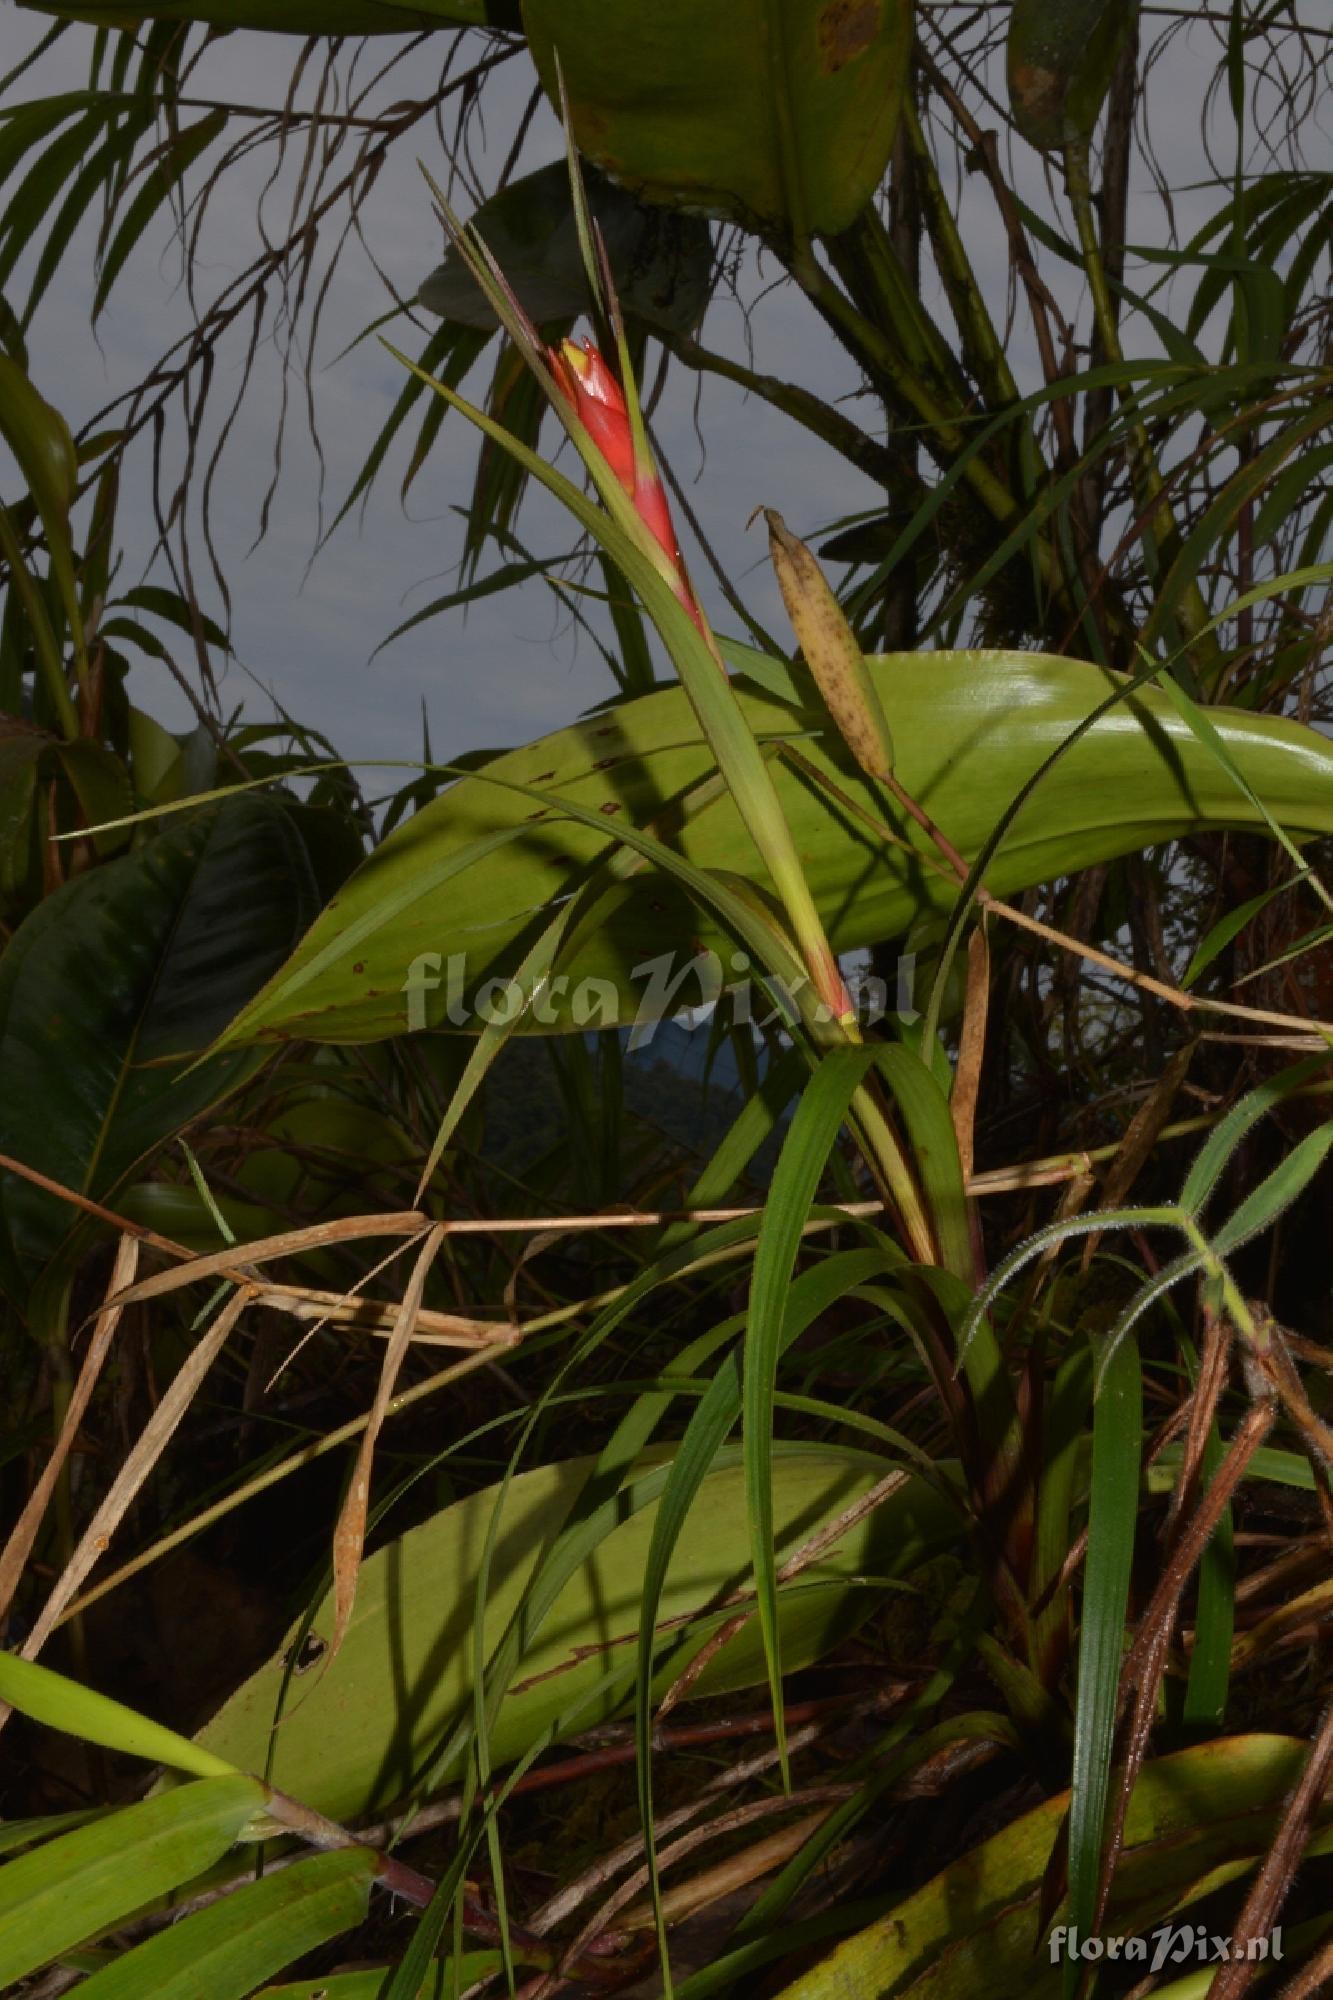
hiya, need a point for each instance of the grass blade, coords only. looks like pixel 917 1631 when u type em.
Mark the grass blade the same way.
pixel 1113 1502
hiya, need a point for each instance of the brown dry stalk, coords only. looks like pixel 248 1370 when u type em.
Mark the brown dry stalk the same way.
pixel 971 1048
pixel 234 1262
pixel 349 1536
pixel 827 1796
pixel 1146 1659
pixel 1293 1623
pixel 824 1537
pixel 568 1898
pixel 1187 1003
pixel 120 1223
pixel 823 1713
pixel 1202 1409
pixel 143 1456
pixel 1314 1978
pixel 380 1316
pixel 736 1872
pixel 1140 1140
pixel 953 863
pixel 1279 1865
pixel 18 1548
pixel 1267 1352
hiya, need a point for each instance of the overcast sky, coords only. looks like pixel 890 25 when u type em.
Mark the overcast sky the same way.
pixel 512 669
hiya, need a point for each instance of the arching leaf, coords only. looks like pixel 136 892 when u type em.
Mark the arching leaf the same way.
pixel 969 729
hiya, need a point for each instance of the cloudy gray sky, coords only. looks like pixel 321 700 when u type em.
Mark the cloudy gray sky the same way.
pixel 513 668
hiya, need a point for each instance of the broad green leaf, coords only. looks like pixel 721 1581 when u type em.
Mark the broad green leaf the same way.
pixel 155 754
pixel 353 1737
pixel 778 113
pixel 223 1950
pixel 1201 723
pixel 51 1698
pixel 1061 55
pixel 661 263
pixel 970 729
pixel 1196 1819
pixel 112 985
pixel 84 1882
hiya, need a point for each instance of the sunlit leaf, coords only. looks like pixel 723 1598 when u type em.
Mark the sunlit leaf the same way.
pixel 357 1736
pixel 223 1950
pixel 969 729
pixel 81 1883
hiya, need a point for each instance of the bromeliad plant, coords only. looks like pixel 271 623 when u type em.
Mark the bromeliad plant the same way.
pixel 788 812
pixel 600 412
pixel 1019 1524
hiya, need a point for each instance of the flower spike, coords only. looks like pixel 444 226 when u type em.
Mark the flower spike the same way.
pixel 602 407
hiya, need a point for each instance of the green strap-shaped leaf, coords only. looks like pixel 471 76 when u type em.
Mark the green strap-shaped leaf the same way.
pixel 224 1950
pixel 819 1116
pixel 175 158
pixel 1223 1140
pixel 447 1977
pixel 84 1882
pixel 1113 1505
pixel 1264 1204
pixel 96 173
pixel 44 1696
pixel 813 1291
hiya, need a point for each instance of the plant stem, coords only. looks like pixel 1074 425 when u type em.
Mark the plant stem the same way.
pixel 1193 611
pixel 944 432
pixel 819 418
pixel 980 339
pixel 48 653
